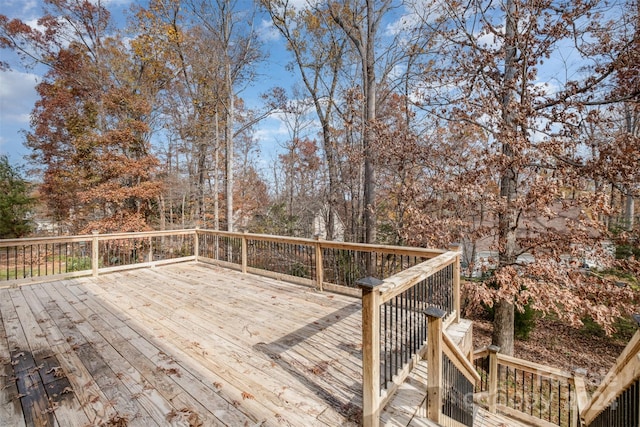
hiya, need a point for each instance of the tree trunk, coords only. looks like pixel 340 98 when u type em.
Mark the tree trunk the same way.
pixel 369 118
pixel 504 315
pixel 202 158
pixel 629 212
pixel 503 325
pixel 229 147
pixel 216 178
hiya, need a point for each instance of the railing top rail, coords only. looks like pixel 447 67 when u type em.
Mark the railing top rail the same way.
pixel 364 247
pixel 113 236
pixel 526 365
pixel 405 279
pixel 481 352
pixel 399 250
pixel 624 372
pixel 87 237
pixel 458 359
pixel 534 368
pixel 42 240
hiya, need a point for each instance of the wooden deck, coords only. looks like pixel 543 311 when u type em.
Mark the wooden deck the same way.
pixel 187 345
pixel 184 344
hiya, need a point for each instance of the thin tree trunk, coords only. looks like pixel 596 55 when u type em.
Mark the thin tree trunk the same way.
pixel 229 147
pixel 216 178
pixel 629 211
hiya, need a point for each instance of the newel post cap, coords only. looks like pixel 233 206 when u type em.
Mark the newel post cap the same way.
pixel 493 349
pixel 368 283
pixel 433 311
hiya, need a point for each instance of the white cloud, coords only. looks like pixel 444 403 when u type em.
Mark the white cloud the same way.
pixel 17 98
pixel 267 31
pixel 405 24
pixel 15 8
pixel 272 130
pixel 489 41
pixel 17 95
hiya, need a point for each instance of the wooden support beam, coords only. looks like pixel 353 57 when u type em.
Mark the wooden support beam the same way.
pixel 370 351
pixel 319 264
pixel 493 377
pixel 434 363
pixel 455 247
pixel 244 252
pixel 94 254
pixel 196 244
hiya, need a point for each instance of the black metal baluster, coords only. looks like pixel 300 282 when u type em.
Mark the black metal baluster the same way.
pixel 396 351
pixel 549 411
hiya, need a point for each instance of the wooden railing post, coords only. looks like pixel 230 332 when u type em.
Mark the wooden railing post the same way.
pixel 150 253
pixel 319 264
pixel 370 351
pixel 455 247
pixel 196 244
pixel 434 362
pixel 493 378
pixel 95 254
pixel 244 251
pixel 582 398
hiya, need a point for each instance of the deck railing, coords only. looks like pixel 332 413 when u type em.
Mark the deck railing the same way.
pixel 26 260
pixel 336 265
pixel 533 393
pixel 544 396
pixel 616 401
pixel 395 330
pixel 450 376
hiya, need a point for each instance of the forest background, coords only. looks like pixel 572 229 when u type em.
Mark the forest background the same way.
pixel 510 127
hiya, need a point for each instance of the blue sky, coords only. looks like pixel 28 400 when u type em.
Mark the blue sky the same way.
pixel 18 95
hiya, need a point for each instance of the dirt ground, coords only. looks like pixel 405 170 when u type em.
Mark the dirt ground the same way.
pixel 555 344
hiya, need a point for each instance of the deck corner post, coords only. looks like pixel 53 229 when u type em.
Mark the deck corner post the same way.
pixel 434 363
pixel 319 264
pixel 456 247
pixel 493 377
pixel 94 253
pixel 370 351
pixel 244 251
pixel 196 243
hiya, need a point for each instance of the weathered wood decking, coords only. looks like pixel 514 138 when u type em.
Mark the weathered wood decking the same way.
pixel 185 344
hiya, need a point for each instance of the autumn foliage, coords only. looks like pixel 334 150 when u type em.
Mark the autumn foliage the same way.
pixel 454 123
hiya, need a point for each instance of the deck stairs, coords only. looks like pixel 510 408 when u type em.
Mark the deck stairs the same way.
pixel 406 407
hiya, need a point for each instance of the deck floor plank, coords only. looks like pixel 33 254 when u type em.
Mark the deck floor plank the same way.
pixel 262 382
pixel 71 412
pixel 320 342
pixel 185 344
pixel 164 345
pixel 92 352
pixel 147 358
pixel 157 408
pixel 323 336
pixel 31 393
pixel 10 407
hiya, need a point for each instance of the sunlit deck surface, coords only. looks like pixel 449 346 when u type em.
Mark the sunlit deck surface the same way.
pixel 183 344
